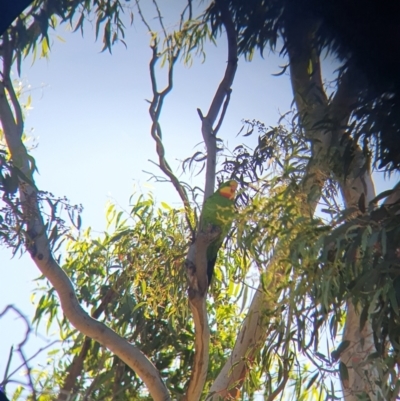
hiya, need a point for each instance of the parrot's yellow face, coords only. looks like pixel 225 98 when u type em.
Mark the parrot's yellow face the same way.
pixel 229 190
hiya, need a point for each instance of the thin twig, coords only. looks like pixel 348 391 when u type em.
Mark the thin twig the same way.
pixel 155 112
pixel 188 8
pixel 10 354
pixel 142 16
pixel 160 19
pixel 20 350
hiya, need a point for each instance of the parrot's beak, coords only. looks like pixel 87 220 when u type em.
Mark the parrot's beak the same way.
pixel 229 191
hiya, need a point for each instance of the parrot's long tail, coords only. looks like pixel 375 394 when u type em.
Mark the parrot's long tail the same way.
pixel 210 269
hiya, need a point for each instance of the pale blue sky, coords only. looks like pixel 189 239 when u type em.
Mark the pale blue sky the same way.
pixel 91 124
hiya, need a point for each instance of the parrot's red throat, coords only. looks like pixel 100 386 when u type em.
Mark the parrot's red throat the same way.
pixel 228 192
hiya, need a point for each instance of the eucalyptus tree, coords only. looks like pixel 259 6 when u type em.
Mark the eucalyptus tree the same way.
pixel 319 278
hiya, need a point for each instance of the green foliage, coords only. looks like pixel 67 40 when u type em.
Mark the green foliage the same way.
pixel 13 232
pixel 276 235
pixel 346 31
pixel 363 251
pixel 257 23
pixel 29 34
pixel 132 279
pixel 311 267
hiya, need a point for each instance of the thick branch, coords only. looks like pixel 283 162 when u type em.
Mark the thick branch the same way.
pixel 251 336
pixel 305 74
pixel 196 268
pixel 40 252
pixel 313 107
pixel 345 99
pixel 74 371
pixel 76 367
pixel 248 341
pixel 201 344
pixel 355 181
pixel 311 102
pixel 355 185
pixel 197 262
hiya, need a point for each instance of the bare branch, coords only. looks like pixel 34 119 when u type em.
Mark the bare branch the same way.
pixel 74 371
pixel 345 99
pixel 157 103
pixel 189 10
pixel 313 110
pixel 355 357
pixel 356 183
pixel 155 111
pixel 20 349
pixel 223 92
pixel 196 266
pixel 202 338
pixel 8 364
pixel 160 20
pixel 142 16
pixel 40 350
pixel 305 74
pixel 248 341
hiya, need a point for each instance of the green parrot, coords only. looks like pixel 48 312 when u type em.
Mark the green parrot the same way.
pixel 218 210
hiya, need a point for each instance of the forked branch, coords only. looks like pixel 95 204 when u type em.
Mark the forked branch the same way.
pixel 220 101
pixel 325 123
pixel 197 261
pixel 172 54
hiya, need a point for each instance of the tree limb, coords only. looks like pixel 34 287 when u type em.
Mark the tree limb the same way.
pixel 312 105
pixel 354 185
pixel 39 248
pixel 222 95
pixel 354 181
pixel 76 367
pixel 305 74
pixel 197 261
pixel 155 111
pixel 253 331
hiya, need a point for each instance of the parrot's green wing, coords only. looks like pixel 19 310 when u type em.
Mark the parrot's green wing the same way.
pixel 219 211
